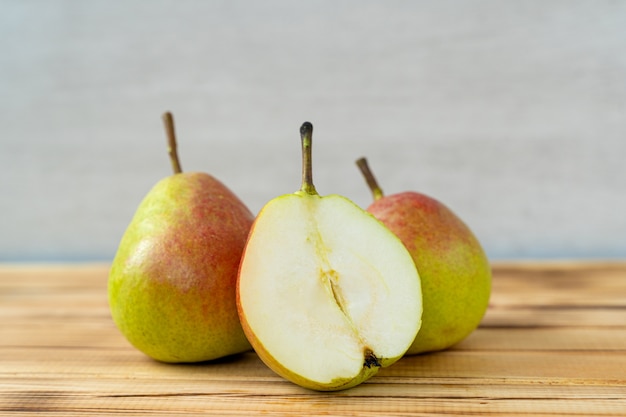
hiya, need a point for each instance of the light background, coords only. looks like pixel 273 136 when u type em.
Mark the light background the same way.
pixel 513 113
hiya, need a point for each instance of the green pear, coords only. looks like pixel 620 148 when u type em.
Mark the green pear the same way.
pixel 326 294
pixel 172 283
pixel 454 270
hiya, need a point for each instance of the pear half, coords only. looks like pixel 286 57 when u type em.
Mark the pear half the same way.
pixel 326 294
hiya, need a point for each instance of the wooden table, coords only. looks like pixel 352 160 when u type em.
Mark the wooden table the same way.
pixel 552 343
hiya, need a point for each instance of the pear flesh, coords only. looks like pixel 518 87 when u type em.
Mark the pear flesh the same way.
pixel 326 294
pixel 172 282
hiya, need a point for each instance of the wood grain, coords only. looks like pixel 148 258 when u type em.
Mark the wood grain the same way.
pixel 552 343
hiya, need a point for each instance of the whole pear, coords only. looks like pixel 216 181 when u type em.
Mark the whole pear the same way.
pixel 454 270
pixel 172 282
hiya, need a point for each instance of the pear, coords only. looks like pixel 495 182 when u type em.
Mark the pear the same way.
pixel 454 269
pixel 326 294
pixel 172 282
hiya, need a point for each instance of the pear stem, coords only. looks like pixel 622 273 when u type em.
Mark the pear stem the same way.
pixel 168 120
pixel 377 192
pixel 306 136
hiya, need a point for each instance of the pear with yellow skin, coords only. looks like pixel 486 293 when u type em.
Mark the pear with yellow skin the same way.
pixel 454 270
pixel 172 283
pixel 326 294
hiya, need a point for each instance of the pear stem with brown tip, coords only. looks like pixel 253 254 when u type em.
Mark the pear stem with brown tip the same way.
pixel 168 120
pixel 377 192
pixel 306 136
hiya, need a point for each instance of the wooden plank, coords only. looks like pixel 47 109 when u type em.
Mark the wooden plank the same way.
pixel 72 379
pixel 544 316
pixel 578 368
pixel 557 353
pixel 559 339
pixel 102 334
pixel 555 285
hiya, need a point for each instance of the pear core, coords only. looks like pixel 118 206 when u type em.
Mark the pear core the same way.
pixel 326 293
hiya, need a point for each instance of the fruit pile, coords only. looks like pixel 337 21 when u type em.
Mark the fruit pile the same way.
pixel 326 293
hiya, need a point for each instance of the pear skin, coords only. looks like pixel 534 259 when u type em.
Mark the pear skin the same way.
pixel 173 279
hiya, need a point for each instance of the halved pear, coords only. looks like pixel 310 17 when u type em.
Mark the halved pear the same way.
pixel 326 294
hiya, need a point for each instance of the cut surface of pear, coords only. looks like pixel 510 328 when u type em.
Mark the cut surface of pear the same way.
pixel 326 294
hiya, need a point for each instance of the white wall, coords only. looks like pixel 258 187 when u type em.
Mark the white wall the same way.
pixel 511 112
